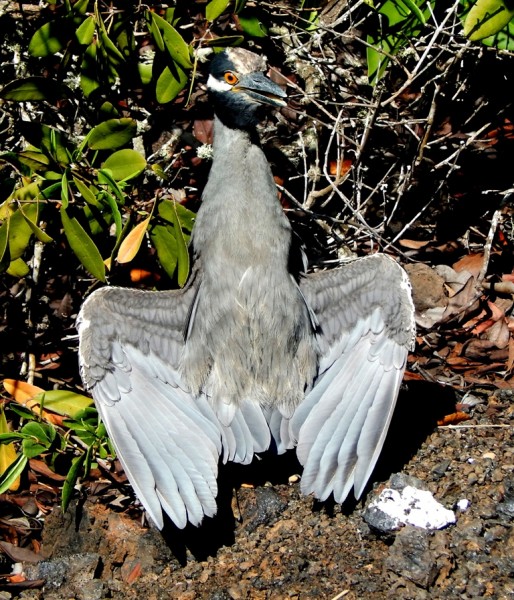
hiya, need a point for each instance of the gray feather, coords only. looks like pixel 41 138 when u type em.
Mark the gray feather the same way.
pixel 244 357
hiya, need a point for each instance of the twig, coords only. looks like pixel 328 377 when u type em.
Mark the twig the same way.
pixel 427 51
pixel 488 245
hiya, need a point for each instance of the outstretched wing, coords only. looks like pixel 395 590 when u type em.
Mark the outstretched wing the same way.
pixel 168 441
pixel 366 321
pixel 130 346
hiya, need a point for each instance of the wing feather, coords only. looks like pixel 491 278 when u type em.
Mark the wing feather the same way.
pixel 168 440
pixel 365 315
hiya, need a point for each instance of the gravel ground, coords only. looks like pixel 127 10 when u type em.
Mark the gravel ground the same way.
pixel 269 542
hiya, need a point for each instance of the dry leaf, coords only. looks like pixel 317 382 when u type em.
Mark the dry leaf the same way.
pixel 131 244
pixel 25 393
pixel 472 263
pixel 413 244
pixel 454 418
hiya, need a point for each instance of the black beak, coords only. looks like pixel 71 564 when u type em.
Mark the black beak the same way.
pixel 261 89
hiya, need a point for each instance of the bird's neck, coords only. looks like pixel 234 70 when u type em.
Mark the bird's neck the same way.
pixel 241 220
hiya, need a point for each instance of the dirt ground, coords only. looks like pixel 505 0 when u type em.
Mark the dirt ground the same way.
pixel 269 542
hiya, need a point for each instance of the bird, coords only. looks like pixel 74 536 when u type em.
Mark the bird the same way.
pixel 253 354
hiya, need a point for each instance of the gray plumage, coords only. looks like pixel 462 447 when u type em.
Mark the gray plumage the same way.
pixel 248 355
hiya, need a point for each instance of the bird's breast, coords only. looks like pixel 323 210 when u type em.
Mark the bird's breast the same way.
pixel 251 339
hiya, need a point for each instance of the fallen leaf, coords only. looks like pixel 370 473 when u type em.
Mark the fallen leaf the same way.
pixel 413 244
pixel 18 554
pixel 41 467
pixel 454 418
pixel 137 275
pixel 472 263
pixel 134 574
pixel 341 167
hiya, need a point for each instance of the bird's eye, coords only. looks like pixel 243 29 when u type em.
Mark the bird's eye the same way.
pixel 231 78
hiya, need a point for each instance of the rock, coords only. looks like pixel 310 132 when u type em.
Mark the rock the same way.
pixel 419 556
pixel 265 506
pixel 409 506
pixel 77 571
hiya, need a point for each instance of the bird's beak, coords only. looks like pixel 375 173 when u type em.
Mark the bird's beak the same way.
pixel 261 89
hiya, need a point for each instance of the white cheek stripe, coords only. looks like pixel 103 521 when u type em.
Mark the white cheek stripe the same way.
pixel 217 85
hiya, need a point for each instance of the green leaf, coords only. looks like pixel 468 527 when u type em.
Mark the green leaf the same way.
pixel 115 212
pixel 108 48
pixel 42 432
pixel 35 89
pixel 83 246
pixel 174 42
pixel 65 192
pixel 89 71
pixel 80 7
pixel 169 85
pixel 125 164
pixel 7 450
pixel 50 140
pixel 168 208
pixel 87 193
pixel 41 235
pixel 37 161
pixel 19 232
pixel 166 246
pixel 253 26
pixel 86 31
pixel 31 448
pixel 88 419
pixel 64 402
pixel 401 20
pixel 18 268
pixel 240 4
pixel 503 40
pixel 5 257
pixel 155 31
pixel 7 438
pixel 145 72
pixel 215 8
pixel 105 178
pixel 52 37
pixel 112 134
pixel 182 251
pixel 486 18
pixel 13 473
pixel 71 480
pixel 39 438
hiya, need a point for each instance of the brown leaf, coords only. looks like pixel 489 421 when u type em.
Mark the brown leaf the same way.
pixel 510 359
pixel 463 301
pixel 42 468
pixel 18 554
pixel 413 244
pixel 134 573
pixel 340 168
pixel 454 418
pixel 472 263
pixel 131 244
pixel 137 275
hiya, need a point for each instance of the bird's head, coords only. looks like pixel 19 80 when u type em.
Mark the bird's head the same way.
pixel 239 88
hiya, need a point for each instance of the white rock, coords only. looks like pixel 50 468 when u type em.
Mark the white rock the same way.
pixel 415 507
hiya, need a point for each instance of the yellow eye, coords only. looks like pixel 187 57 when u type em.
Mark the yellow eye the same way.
pixel 231 78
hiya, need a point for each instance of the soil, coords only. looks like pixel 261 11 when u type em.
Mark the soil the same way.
pixel 270 542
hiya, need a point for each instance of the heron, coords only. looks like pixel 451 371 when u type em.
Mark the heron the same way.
pixel 250 355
